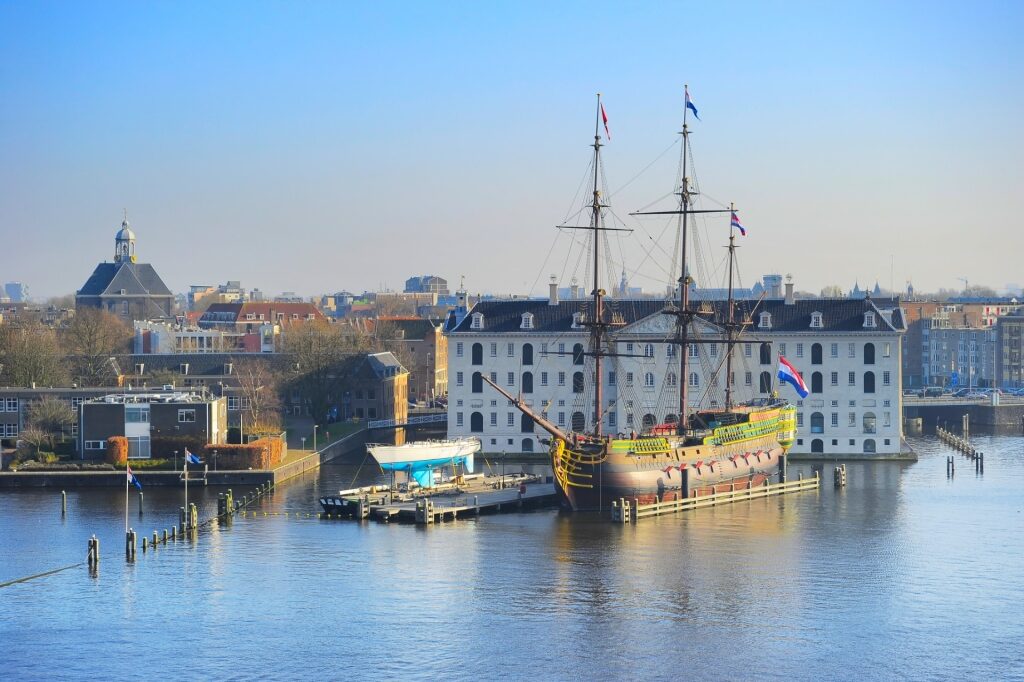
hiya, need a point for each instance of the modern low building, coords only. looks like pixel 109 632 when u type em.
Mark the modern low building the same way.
pixel 847 350
pixel 153 423
pixel 16 407
pixel 1010 349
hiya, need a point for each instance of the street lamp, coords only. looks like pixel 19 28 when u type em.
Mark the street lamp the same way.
pixel 215 459
pixel 315 427
pixel 303 439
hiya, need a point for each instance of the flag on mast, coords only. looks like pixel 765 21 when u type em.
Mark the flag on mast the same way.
pixel 192 459
pixel 132 479
pixel 689 103
pixel 788 374
pixel 737 224
pixel 604 119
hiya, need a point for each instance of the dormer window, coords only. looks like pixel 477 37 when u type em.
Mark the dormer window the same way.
pixel 477 322
pixel 228 368
pixel 577 320
pixel 764 321
pixel 183 368
pixel 250 316
pixel 816 322
pixel 527 321
pixel 869 320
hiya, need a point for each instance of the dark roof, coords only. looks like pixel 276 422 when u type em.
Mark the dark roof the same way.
pixel 200 364
pixel 134 278
pixel 838 314
pixel 412 327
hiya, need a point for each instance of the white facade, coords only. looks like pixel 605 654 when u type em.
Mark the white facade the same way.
pixel 854 376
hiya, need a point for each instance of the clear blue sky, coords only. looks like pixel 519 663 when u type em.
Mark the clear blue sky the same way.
pixel 315 147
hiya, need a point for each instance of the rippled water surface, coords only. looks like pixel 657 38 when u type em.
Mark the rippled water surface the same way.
pixel 905 574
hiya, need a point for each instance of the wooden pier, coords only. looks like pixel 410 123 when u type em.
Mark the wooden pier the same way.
pixel 380 503
pixel 626 510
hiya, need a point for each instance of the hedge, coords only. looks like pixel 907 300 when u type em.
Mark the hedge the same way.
pixel 117 450
pixel 265 453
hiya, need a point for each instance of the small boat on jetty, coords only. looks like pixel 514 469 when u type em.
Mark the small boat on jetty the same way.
pixel 419 459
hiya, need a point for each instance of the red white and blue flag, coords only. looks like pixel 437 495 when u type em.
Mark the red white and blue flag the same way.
pixel 788 374
pixel 604 119
pixel 737 224
pixel 134 481
pixel 689 103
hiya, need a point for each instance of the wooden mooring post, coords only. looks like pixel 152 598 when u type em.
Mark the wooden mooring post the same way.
pixel 63 503
pixel 129 545
pixel 94 552
pixel 140 503
pixel 839 476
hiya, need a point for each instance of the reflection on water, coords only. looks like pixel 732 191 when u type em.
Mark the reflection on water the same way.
pixel 879 580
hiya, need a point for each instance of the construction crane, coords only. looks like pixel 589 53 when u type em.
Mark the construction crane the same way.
pixel 964 280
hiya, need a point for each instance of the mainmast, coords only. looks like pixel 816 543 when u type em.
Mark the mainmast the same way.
pixel 597 325
pixel 730 325
pixel 684 316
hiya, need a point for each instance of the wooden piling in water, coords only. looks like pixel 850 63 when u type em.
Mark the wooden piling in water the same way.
pixel 140 503
pixel 165 536
pixel 129 545
pixel 154 543
pixel 94 552
pixel 63 503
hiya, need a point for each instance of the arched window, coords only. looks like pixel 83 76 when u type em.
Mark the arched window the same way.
pixel 527 445
pixel 577 382
pixel 869 382
pixel 527 382
pixel 694 379
pixel 577 354
pixel 766 354
pixel 869 445
pixel 817 423
pixel 578 422
pixel 527 353
pixel 765 384
pixel 648 380
pixel 478 383
pixel 670 379
pixel 649 421
pixel 816 354
pixel 869 353
pixel 478 354
pixel 816 382
pixel 869 422
pixel 476 422
pixel 817 445
pixel 649 350
pixel 671 419
pixel 525 423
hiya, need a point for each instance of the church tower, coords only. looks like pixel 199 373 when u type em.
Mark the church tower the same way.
pixel 124 243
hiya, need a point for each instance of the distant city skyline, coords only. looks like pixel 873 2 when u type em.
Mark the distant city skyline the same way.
pixel 318 148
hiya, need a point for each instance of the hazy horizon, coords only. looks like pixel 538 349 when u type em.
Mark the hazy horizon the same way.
pixel 323 147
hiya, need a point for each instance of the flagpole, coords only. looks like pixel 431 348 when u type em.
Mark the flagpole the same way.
pixel 126 496
pixel 188 518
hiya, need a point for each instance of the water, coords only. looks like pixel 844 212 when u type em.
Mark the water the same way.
pixel 904 574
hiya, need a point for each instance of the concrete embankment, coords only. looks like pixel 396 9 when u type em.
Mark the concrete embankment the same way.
pixel 92 479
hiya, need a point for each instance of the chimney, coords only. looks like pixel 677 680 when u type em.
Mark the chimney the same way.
pixel 789 290
pixel 553 291
pixel 574 290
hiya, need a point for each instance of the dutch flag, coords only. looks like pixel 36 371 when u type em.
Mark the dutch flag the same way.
pixel 689 103
pixel 737 224
pixel 134 481
pixel 192 459
pixel 788 374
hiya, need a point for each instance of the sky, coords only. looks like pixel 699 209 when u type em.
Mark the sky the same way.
pixel 322 146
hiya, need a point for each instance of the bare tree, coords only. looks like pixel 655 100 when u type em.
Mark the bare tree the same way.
pixel 259 385
pixel 93 336
pixel 832 291
pixel 30 354
pixel 319 349
pixel 51 417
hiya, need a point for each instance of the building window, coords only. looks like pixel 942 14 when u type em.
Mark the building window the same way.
pixel 799 350
pixel 886 378
pixel 629 347
pixel 458 378
pixel 748 378
pixel 544 349
pixel 511 378
pixel 800 420
pixel 611 378
pixel 887 420
pixel 186 416
pixel 869 353
pixel 869 382
pixel 511 350
pixel 851 350
pixel 765 382
pixel 527 353
pixel 579 422
pixel 527 322
pixel 816 320
pixel 766 354
pixel 577 354
pixel 477 383
pixel 494 418
pixel 494 350
pixel 478 354
pixel 476 422
pixel 835 378
pixel 477 321
pixel 746 350
pixel 816 383
pixel 886 350
pixel 817 422
pixel 527 382
pixel 852 421
pixel 694 379
pixel 648 380
pixel 561 378
pixel 232 402
pixel 816 354
pixel 561 418
pixel 649 350
pixel 692 351
pixel 543 378
pixel 869 422
pixel 629 378
pixel 458 349
pixel 611 420
pixel 137 414
pixel 835 420
pixel 834 350
pixel 670 379
pixel 714 350
pixel 577 382
pixel 869 320
pixel 851 379
pixel 511 421
pixel 670 351
pixel 765 321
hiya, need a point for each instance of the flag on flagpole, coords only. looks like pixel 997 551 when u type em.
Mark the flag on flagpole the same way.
pixel 190 458
pixel 788 374
pixel 132 479
pixel 737 224
pixel 689 103
pixel 604 118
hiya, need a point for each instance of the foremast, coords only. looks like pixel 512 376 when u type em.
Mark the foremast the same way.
pixel 598 326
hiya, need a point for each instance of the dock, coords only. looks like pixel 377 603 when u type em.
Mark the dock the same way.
pixel 626 510
pixel 475 496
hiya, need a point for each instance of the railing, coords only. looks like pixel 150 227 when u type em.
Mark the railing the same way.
pixel 391 423
pixel 625 510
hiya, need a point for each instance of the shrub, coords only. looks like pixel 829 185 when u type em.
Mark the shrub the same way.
pixel 264 453
pixel 117 450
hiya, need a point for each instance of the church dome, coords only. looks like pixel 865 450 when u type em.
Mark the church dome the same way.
pixel 125 233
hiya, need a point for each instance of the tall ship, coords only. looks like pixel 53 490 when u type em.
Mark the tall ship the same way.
pixel 716 447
